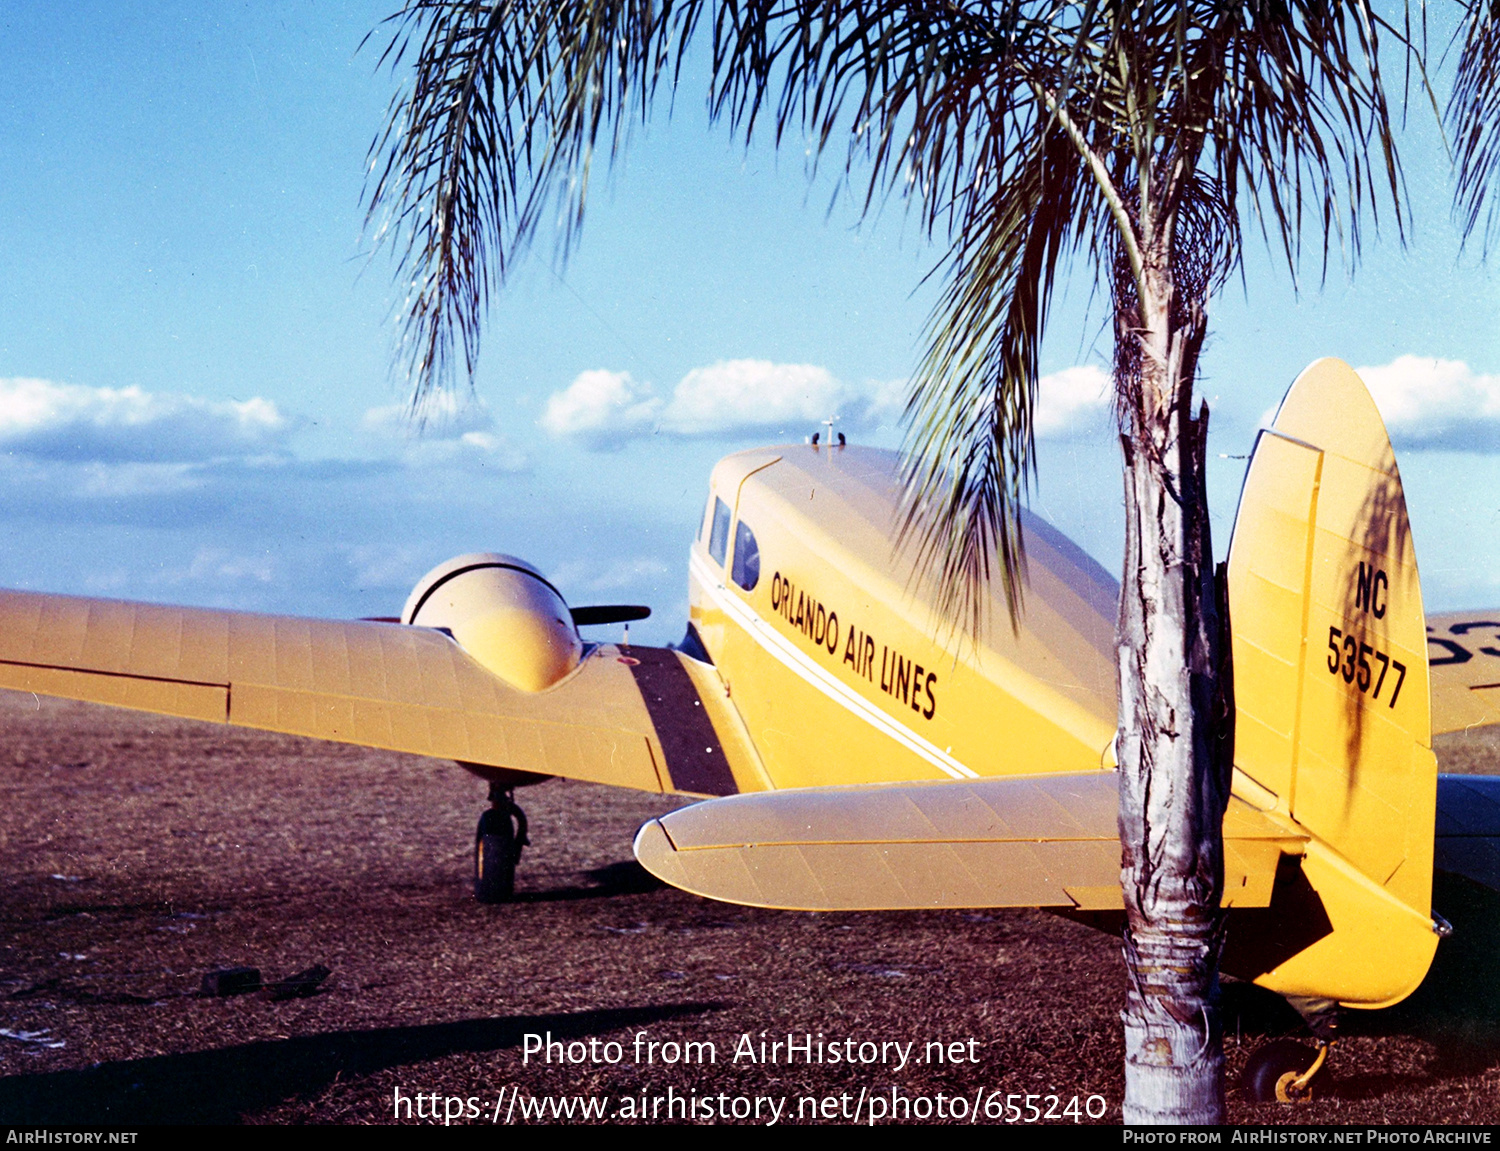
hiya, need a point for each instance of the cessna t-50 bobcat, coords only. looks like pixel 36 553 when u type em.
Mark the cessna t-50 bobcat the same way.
pixel 864 757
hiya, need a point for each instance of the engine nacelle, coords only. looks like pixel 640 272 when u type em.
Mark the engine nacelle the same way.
pixel 502 612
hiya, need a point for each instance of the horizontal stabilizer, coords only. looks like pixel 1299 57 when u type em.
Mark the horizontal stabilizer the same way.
pixel 1034 841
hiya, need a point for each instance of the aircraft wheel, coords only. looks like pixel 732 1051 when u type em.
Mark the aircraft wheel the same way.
pixel 497 850
pixel 1272 1069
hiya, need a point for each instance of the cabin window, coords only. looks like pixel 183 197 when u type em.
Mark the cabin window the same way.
pixel 746 557
pixel 718 538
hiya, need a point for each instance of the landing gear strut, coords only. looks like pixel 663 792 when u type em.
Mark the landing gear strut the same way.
pixel 497 847
pixel 1282 1071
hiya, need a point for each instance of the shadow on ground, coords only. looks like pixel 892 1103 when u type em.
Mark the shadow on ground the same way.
pixel 625 878
pixel 221 1085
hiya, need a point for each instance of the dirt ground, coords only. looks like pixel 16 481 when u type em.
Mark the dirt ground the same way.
pixel 141 853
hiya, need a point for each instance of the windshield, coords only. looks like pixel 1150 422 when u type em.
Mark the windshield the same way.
pixel 718 539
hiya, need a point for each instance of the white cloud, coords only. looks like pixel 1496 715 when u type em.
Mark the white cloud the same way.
pixel 740 395
pixel 481 451
pixel 592 576
pixel 387 565
pixel 885 402
pixel 606 409
pixel 443 416
pixel 602 408
pixel 129 479
pixel 1073 402
pixel 1440 405
pixel 48 420
pixel 448 432
pixel 221 566
pixel 1433 403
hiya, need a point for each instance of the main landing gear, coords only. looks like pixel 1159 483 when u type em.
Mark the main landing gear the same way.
pixel 498 843
pixel 1282 1071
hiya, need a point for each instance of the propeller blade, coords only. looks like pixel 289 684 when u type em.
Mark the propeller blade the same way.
pixel 609 613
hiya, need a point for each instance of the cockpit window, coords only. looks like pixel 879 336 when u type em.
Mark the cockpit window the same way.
pixel 746 557
pixel 703 520
pixel 718 539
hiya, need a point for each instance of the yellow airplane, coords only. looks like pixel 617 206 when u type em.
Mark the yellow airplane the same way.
pixel 862 755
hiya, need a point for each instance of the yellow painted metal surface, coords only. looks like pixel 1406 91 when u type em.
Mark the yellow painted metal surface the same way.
pixel 733 736
pixel 504 614
pixel 984 761
pixel 1463 650
pixel 1331 683
pixel 863 686
pixel 846 674
pixel 1335 781
pixel 381 685
pixel 1038 841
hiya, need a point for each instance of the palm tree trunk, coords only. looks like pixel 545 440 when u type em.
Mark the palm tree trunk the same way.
pixel 1175 747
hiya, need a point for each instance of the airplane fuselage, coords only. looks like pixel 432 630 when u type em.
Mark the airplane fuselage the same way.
pixel 836 660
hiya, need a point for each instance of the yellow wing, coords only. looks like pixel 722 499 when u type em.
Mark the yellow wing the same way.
pixel 645 718
pixel 1463 650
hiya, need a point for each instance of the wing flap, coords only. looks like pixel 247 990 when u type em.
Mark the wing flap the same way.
pixel 205 701
pixel 746 770
pixel 1040 841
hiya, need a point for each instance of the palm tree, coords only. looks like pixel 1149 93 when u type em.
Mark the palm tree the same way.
pixel 1031 137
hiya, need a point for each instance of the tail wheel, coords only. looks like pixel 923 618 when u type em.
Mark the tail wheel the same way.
pixel 497 849
pixel 1273 1072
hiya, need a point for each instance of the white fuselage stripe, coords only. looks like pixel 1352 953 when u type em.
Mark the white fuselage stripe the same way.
pixel 781 649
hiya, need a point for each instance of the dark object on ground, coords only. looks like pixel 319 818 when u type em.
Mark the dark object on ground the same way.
pixel 227 981
pixel 299 986
pixel 498 843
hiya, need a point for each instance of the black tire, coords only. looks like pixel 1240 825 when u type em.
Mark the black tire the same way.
pixel 1270 1063
pixel 497 849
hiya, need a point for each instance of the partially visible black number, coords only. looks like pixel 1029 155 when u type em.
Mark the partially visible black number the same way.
pixel 1457 653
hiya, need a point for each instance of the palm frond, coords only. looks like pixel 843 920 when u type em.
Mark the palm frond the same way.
pixel 508 103
pixel 1473 116
pixel 1013 129
pixel 955 107
pixel 971 452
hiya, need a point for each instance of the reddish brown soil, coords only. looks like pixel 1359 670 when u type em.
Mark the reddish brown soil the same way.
pixel 141 853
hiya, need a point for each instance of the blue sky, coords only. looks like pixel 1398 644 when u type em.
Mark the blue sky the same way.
pixel 195 396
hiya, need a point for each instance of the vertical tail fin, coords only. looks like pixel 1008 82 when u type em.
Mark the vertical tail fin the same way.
pixel 1331 678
